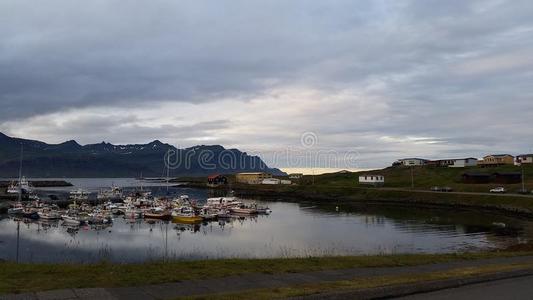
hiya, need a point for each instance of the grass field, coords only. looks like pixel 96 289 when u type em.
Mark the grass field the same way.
pixel 425 177
pixel 344 188
pixel 18 278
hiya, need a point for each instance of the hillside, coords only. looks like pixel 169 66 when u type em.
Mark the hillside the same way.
pixel 70 159
pixel 424 178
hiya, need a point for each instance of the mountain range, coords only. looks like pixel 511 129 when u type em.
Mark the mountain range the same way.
pixel 70 159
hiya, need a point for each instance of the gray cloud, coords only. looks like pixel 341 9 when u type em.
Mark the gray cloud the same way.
pixel 385 77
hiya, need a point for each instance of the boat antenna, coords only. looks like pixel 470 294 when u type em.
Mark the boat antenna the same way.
pixel 20 172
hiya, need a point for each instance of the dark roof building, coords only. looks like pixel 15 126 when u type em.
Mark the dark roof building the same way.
pixel 216 179
pixel 474 178
pixel 507 178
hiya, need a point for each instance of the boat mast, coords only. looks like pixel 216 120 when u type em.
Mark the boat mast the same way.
pixel 168 167
pixel 20 172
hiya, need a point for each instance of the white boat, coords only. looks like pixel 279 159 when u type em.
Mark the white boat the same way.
pixel 113 208
pixel 17 209
pixel 242 209
pixel 220 202
pixel 71 220
pixel 115 193
pixel 132 212
pixel 49 214
pixel 79 194
pixel 22 186
pixel 261 209
pixel 208 216
pixel 99 217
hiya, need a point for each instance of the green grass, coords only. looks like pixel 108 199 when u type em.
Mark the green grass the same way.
pixel 18 278
pixel 343 188
pixel 425 177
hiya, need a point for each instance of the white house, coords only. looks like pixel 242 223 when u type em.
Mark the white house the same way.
pixel 271 181
pixel 524 159
pixel 413 161
pixel 275 181
pixel 464 162
pixel 372 179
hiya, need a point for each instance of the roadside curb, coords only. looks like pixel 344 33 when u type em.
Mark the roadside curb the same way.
pixel 416 288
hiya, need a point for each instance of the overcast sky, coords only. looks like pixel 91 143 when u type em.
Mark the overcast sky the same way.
pixel 378 79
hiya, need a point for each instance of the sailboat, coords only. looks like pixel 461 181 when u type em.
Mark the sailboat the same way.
pixel 18 208
pixel 23 186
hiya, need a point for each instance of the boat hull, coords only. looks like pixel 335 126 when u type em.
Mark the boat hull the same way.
pixel 244 211
pixel 187 220
pixel 157 216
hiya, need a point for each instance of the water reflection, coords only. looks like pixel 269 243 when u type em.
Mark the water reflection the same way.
pixel 291 230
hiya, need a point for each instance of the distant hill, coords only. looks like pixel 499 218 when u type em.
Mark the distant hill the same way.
pixel 70 159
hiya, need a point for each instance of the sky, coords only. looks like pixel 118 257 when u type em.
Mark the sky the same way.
pixel 344 84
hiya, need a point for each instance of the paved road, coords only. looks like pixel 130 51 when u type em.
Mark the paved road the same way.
pixel 458 193
pixel 507 289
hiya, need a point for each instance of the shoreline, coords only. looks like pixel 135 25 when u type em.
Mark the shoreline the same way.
pixel 506 205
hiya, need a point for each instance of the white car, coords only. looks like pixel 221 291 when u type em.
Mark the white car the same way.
pixel 498 190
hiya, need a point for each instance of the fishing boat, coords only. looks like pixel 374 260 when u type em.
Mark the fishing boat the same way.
pixel 185 214
pixel 23 186
pixel 49 214
pixel 208 214
pixel 223 214
pixel 79 194
pixel 262 210
pixel 242 209
pixel 30 214
pixel 17 209
pixel 99 218
pixel 221 202
pixel 71 220
pixel 132 212
pixel 115 193
pixel 157 213
pixel 113 208
pixel 34 197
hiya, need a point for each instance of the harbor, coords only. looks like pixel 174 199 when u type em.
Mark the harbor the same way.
pixel 165 222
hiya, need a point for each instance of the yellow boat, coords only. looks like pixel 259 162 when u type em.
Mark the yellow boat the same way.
pixel 187 219
pixel 185 215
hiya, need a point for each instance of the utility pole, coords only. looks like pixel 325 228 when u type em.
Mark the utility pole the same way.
pixel 523 179
pixel 412 178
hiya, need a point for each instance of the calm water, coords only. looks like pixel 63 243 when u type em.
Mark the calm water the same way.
pixel 291 230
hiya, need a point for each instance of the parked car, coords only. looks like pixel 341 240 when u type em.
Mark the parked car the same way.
pixel 441 189
pixel 523 191
pixel 498 190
